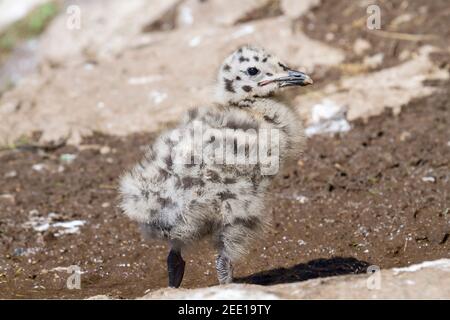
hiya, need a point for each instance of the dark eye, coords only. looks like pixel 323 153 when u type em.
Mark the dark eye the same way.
pixel 252 71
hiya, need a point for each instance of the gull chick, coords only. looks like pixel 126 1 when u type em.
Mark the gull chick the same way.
pixel 208 177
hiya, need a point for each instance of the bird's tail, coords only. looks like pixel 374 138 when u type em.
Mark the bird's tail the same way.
pixel 136 201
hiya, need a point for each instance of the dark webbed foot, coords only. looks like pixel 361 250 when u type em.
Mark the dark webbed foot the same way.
pixel 224 269
pixel 175 267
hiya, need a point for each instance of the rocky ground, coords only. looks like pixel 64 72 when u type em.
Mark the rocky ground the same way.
pixel 375 192
pixel 427 280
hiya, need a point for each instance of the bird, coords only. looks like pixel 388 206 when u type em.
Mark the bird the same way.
pixel 209 175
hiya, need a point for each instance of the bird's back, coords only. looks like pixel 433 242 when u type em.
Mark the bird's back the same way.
pixel 191 181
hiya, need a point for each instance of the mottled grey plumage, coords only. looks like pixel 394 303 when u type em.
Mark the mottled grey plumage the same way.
pixel 182 193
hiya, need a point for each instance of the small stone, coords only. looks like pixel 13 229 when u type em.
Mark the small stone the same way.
pixel 404 55
pixel 302 199
pixel 374 61
pixel 429 179
pixel 105 150
pixel 8 198
pixel 13 174
pixel 403 18
pixel 329 36
pixel 106 205
pixel 360 46
pixel 405 135
pixel 38 167
pixel 88 66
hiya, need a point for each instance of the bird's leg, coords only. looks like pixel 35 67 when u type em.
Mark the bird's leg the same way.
pixel 224 269
pixel 175 267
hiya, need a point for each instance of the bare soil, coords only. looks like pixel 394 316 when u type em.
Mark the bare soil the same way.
pixel 354 199
pixel 340 23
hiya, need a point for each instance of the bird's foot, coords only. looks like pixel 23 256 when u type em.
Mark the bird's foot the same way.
pixel 175 267
pixel 224 269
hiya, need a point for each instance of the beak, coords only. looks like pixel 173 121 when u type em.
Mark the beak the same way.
pixel 294 78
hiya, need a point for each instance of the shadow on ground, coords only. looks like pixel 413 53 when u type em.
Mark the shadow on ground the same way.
pixel 319 268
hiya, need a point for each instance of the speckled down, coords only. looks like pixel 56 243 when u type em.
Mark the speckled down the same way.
pixel 209 175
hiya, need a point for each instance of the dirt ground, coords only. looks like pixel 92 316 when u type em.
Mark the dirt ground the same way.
pixel 376 195
pixel 341 22
pixel 379 194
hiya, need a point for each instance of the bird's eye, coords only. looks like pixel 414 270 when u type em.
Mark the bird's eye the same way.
pixel 252 71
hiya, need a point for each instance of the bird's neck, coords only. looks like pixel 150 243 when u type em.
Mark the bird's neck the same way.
pixel 264 105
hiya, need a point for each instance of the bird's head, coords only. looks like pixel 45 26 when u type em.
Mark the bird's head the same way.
pixel 252 72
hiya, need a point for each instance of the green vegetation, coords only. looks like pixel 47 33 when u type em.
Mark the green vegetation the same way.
pixel 30 26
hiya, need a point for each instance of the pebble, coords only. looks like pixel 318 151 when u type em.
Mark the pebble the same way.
pixel 105 150
pixel 38 167
pixel 105 204
pixel 301 199
pixel 374 61
pixel 8 198
pixel 13 174
pixel 360 46
pixel 329 36
pixel 405 135
pixel 429 179
pixel 404 55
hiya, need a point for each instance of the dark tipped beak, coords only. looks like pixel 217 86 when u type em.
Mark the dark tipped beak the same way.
pixel 294 78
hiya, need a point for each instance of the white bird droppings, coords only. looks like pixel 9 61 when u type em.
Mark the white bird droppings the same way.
pixel 301 199
pixel 69 227
pixel 38 167
pixel 186 17
pixel 139 81
pixel 43 223
pixel 429 179
pixel 158 97
pixel 249 29
pixel 327 117
pixel 195 41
